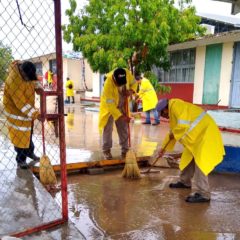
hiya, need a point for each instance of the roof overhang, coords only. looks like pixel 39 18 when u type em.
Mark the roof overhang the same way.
pixel 232 36
pixel 235 5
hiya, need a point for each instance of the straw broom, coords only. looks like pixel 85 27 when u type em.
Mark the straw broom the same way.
pixel 131 169
pixel 46 172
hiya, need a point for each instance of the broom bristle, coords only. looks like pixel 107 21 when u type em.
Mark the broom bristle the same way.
pixel 131 169
pixel 46 172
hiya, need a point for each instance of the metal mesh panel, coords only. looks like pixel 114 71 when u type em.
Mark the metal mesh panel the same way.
pixel 28 33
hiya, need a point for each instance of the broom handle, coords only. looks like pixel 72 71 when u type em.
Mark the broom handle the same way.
pixel 43 137
pixel 159 156
pixel 43 112
pixel 129 134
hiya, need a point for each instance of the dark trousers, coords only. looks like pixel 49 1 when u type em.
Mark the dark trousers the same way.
pixel 23 153
pixel 73 101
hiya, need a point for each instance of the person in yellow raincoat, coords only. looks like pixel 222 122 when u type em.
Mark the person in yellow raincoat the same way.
pixel 19 109
pixel 149 98
pixel 202 141
pixel 50 78
pixel 70 91
pixel 113 108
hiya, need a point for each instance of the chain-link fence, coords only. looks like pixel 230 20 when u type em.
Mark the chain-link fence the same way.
pixel 31 116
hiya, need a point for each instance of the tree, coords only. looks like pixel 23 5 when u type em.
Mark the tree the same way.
pixel 113 33
pixel 5 59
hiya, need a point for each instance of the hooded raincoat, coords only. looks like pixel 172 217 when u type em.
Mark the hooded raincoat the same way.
pixel 110 99
pixel 69 86
pixel 19 102
pixel 50 77
pixel 198 133
pixel 148 95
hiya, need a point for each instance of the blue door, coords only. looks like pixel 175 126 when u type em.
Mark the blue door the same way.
pixel 235 96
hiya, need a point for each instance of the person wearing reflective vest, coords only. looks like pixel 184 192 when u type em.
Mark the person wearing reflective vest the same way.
pixel 149 98
pixel 119 84
pixel 19 109
pixel 202 142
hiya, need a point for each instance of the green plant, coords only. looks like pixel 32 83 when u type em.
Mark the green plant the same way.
pixel 159 88
pixel 5 59
pixel 129 33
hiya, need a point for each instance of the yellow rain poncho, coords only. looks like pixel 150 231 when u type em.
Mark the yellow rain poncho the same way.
pixel 148 95
pixel 19 101
pixel 198 133
pixel 50 77
pixel 110 98
pixel 69 87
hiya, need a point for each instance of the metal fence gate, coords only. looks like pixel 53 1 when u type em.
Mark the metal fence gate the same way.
pixel 30 31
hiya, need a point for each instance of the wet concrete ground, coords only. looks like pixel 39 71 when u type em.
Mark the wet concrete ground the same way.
pixel 110 207
pixel 107 206
pixel 25 204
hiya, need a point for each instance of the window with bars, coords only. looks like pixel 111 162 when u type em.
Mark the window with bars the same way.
pixel 53 65
pixel 182 67
pixel 39 70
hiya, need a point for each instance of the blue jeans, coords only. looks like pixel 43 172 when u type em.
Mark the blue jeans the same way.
pixel 155 114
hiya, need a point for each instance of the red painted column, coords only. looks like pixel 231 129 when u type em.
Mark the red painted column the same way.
pixel 58 33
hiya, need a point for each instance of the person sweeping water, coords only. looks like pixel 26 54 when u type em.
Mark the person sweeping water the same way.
pixel 202 141
pixel 119 84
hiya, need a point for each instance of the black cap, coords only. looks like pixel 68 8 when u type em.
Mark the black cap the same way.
pixel 137 76
pixel 120 76
pixel 29 69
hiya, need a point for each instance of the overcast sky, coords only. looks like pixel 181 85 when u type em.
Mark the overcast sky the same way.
pixel 205 6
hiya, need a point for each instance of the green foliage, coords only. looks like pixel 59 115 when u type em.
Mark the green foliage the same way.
pixel 113 33
pixel 5 59
pixel 162 89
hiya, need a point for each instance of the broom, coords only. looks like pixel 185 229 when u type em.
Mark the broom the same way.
pixel 46 172
pixel 161 153
pixel 131 169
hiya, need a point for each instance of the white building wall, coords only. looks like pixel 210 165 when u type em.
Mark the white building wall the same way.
pixel 199 74
pixel 88 75
pixel 74 72
pixel 225 74
pixel 96 87
pixel 65 71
